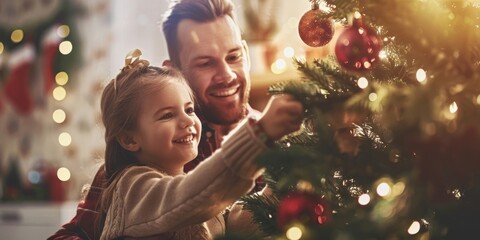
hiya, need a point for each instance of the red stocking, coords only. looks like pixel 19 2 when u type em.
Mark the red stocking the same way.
pixel 50 50
pixel 17 88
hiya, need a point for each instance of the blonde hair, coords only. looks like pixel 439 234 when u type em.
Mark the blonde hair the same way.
pixel 119 106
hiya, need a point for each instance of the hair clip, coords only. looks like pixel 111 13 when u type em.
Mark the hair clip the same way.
pixel 132 57
pixel 131 60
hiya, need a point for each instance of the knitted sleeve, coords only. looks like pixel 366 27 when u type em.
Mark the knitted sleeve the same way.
pixel 147 202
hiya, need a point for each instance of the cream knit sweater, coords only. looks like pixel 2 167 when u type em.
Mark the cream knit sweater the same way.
pixel 148 204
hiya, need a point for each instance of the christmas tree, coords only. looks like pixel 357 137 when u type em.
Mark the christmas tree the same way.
pixel 390 145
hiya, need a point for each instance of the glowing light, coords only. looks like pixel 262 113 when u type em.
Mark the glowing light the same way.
pixel 64 139
pixel 1 47
pixel 421 75
pixel 288 52
pixel 382 54
pixel 65 47
pixel 278 66
pixel 383 189
pixel 398 188
pixel 59 116
pixel 357 15
pixel 59 93
pixel 17 35
pixel 63 174
pixel 478 99
pixel 453 107
pixel 34 177
pixel 414 228
pixel 362 83
pixel 61 78
pixel 294 233
pixel 63 31
pixel 372 97
pixel 364 199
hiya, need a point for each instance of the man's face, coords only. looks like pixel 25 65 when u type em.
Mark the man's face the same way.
pixel 214 59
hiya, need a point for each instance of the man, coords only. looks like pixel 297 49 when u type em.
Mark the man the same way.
pixel 204 42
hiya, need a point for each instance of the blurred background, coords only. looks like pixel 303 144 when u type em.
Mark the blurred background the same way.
pixel 55 58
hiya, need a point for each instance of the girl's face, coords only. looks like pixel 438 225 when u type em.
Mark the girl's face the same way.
pixel 168 131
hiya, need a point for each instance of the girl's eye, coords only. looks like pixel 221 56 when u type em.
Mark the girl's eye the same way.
pixel 190 110
pixel 166 116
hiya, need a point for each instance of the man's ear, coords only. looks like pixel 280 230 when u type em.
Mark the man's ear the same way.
pixel 128 142
pixel 167 63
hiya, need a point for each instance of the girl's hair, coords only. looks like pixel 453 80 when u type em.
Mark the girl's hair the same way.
pixel 120 107
pixel 196 10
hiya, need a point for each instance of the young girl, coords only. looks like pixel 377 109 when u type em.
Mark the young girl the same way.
pixel 151 133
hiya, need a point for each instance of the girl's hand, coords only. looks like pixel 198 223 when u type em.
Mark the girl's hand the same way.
pixel 282 115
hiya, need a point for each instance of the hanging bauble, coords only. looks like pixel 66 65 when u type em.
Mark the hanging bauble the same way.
pixel 315 28
pixel 357 47
pixel 302 207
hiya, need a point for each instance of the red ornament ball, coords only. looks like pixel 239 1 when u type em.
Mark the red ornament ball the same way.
pixel 357 47
pixel 301 207
pixel 315 29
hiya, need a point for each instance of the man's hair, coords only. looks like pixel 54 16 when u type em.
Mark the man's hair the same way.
pixel 196 10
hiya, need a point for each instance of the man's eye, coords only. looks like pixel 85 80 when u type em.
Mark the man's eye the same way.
pixel 190 110
pixel 234 58
pixel 166 116
pixel 204 64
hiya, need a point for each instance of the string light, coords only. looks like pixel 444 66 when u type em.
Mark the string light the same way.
pixel 61 78
pixel 59 116
pixel 279 66
pixel 414 228
pixel 421 75
pixel 65 47
pixel 294 233
pixel 59 93
pixel 372 97
pixel 63 31
pixel 63 174
pixel 383 189
pixel 362 83
pixel 64 139
pixel 17 35
pixel 288 52
pixel 364 199
pixel 453 107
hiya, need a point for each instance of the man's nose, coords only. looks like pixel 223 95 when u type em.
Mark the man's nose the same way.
pixel 225 73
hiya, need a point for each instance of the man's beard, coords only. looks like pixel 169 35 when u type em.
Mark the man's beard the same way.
pixel 216 115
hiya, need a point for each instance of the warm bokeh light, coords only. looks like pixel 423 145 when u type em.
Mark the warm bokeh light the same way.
pixel 17 35
pixel 372 97
pixel 59 93
pixel 398 188
pixel 61 78
pixel 414 228
pixel 59 116
pixel 382 54
pixel 294 233
pixel 65 139
pixel 364 199
pixel 288 52
pixel 421 75
pixel 453 107
pixel 383 189
pixel 65 47
pixel 63 174
pixel 362 83
pixel 1 47
pixel 63 31
pixel 279 66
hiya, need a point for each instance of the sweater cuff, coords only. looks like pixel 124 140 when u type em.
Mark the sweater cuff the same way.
pixel 240 149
